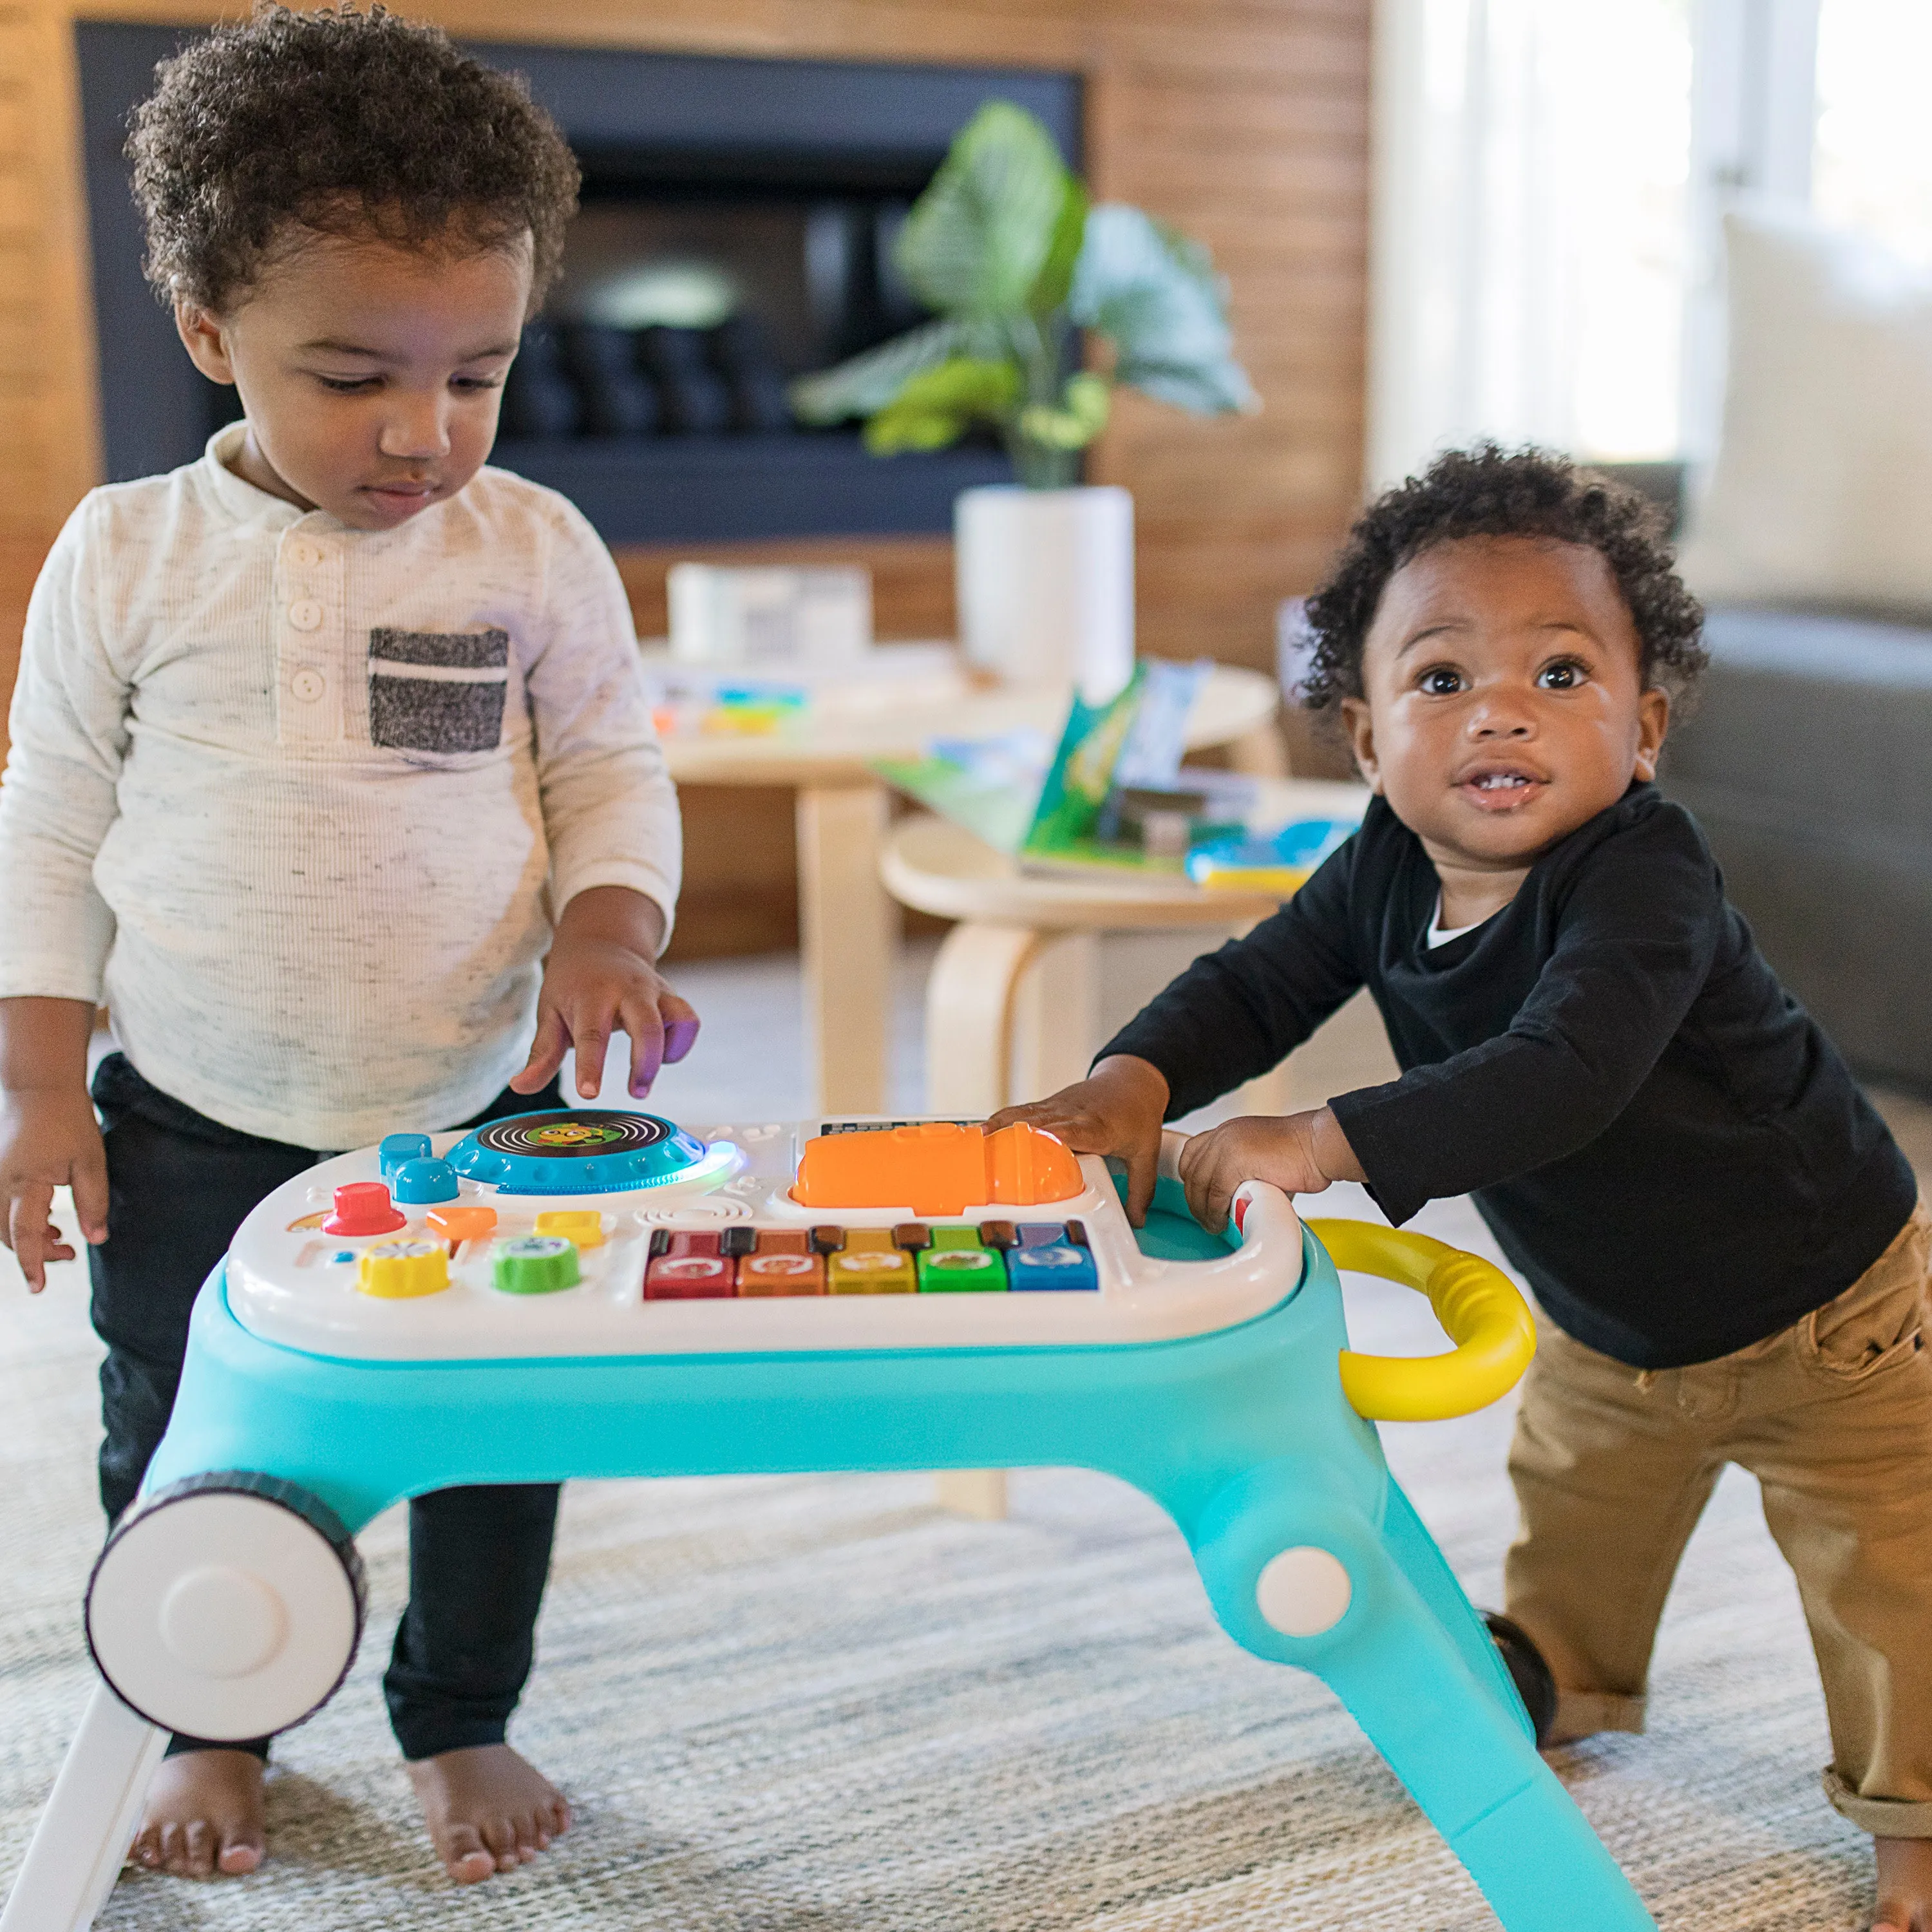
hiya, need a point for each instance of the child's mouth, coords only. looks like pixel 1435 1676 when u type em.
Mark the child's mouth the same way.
pixel 1501 789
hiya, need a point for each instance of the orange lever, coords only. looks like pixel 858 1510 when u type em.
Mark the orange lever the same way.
pixel 937 1167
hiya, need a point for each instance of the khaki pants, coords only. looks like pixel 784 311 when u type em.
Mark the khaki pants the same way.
pixel 1613 1468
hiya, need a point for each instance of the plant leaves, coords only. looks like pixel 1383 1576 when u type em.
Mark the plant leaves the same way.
pixel 1055 281
pixel 893 430
pixel 1089 399
pixel 934 407
pixel 1154 295
pixel 1220 388
pixel 1081 416
pixel 869 382
pixel 976 241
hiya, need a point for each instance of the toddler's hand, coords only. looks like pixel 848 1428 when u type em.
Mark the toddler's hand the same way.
pixel 1300 1153
pixel 1116 1110
pixel 49 1139
pixel 599 980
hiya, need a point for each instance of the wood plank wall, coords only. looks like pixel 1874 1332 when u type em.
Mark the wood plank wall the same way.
pixel 1243 121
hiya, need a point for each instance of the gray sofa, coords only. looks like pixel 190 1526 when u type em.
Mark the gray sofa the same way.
pixel 1807 759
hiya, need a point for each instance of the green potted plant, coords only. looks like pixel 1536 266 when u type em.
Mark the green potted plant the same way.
pixel 1016 264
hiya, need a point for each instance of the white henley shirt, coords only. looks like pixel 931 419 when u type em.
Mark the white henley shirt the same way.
pixel 299 800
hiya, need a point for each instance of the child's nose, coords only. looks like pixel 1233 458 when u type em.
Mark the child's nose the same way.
pixel 1501 718
pixel 415 428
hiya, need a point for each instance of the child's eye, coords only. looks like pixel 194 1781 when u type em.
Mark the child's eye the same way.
pixel 476 383
pixel 1440 681
pixel 348 385
pixel 1565 675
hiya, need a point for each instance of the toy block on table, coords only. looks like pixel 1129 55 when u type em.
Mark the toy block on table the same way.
pixel 936 1167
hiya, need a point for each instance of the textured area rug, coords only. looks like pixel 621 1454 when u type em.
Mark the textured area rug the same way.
pixel 823 1705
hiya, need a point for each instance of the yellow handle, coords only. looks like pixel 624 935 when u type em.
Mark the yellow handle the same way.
pixel 1477 1304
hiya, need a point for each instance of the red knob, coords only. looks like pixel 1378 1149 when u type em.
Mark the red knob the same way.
pixel 363 1207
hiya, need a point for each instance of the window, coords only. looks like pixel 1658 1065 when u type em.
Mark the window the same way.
pixel 1551 179
pixel 1531 226
pixel 1871 163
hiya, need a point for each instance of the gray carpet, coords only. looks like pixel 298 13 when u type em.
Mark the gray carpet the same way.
pixel 820 1706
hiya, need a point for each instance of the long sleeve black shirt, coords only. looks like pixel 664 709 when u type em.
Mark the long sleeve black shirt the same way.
pixel 1661 1138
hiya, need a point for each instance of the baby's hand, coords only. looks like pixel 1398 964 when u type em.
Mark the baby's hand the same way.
pixel 1116 1110
pixel 1300 1153
pixel 599 980
pixel 49 1139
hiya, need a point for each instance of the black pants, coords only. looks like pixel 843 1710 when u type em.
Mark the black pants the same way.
pixel 179 1185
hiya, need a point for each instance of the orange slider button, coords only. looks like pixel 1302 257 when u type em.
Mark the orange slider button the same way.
pixel 936 1167
pixel 458 1223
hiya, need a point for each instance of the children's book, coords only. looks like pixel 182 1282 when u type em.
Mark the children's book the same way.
pixel 1111 794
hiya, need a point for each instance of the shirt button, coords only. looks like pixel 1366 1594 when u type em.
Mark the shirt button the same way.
pixel 305 614
pixel 307 554
pixel 308 685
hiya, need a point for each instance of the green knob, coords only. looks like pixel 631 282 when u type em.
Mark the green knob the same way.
pixel 536 1264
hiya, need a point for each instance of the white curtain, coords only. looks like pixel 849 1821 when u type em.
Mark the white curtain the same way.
pixel 1528 257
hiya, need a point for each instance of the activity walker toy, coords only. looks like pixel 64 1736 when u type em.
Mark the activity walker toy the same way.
pixel 580 1292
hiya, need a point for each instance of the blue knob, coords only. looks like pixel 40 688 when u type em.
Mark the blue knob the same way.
pixel 424 1180
pixel 396 1148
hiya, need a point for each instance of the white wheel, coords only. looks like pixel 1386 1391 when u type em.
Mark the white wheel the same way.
pixel 226 1606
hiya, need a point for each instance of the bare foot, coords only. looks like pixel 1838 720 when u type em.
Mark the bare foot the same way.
pixel 1904 1884
pixel 488 1810
pixel 204 1816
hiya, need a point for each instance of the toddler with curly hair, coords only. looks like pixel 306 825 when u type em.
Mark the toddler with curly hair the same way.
pixel 1728 1245
pixel 332 771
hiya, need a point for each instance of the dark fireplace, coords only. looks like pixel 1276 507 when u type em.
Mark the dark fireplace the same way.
pixel 736 230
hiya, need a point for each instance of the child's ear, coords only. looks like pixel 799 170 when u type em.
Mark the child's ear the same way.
pixel 206 338
pixel 1653 721
pixel 1362 741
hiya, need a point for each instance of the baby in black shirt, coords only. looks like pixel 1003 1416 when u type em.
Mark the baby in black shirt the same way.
pixel 1725 1239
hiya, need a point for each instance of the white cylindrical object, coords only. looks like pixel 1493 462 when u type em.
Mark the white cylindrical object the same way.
pixel 1046 581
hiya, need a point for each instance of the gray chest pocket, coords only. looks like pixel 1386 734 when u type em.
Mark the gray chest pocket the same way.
pixel 437 691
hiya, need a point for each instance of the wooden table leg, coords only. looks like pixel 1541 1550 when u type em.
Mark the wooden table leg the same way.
pixel 1260 752
pixel 1056 1017
pixel 847 931
pixel 970 1013
pixel 969 1017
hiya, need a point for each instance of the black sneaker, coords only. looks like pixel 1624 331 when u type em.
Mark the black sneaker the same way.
pixel 1528 1672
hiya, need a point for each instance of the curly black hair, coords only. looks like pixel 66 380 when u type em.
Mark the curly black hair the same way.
pixel 343 123
pixel 1487 491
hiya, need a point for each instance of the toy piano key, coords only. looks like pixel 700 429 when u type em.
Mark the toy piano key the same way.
pixel 782 1264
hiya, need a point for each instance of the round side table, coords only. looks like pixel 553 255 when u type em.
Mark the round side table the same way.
pixel 1011 1007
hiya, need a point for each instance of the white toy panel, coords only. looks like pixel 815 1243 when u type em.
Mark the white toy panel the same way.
pixel 292 1282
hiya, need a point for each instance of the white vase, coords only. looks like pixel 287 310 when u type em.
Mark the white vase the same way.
pixel 1045 582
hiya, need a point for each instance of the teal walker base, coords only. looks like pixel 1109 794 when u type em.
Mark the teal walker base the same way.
pixel 1309 1553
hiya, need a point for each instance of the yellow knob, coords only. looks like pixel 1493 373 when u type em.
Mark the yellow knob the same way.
pixel 398 1270
pixel 583 1225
